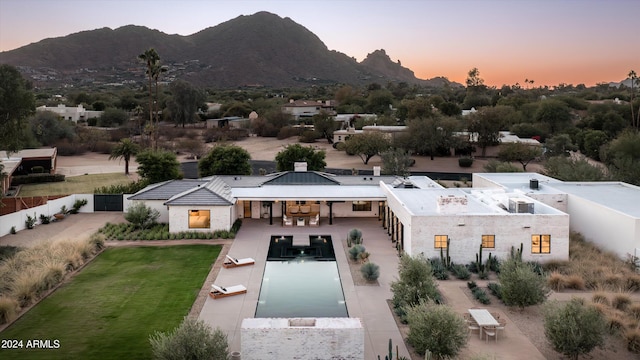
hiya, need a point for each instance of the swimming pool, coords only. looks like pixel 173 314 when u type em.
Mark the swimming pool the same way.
pixel 301 288
pixel 301 281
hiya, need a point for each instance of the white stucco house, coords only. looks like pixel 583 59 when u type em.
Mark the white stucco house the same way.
pixel 74 114
pixel 501 211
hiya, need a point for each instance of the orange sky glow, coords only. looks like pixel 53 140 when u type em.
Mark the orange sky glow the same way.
pixel 548 41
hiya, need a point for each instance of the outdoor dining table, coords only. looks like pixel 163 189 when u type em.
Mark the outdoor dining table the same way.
pixel 484 318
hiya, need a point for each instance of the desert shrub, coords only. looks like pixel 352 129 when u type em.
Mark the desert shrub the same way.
pixel 340 146
pixel 620 301
pixel 141 215
pixel 573 329
pixel 439 270
pixel 193 339
pixel 103 147
pixel 472 285
pixel 67 148
pixel 355 236
pixel 560 266
pixel 521 285
pixel 461 272
pixel 309 136
pixel 632 282
pixel 632 339
pixel 36 179
pixel 480 295
pixel 575 281
pixel 437 329
pixel 496 289
pixel 370 271
pixel 600 298
pixel 130 188
pixel 77 205
pixel 355 251
pixel 633 310
pixel 287 132
pixel 465 162
pixel 45 219
pixel 8 309
pixel 415 282
pixel 615 322
pixel 556 281
pixel 236 226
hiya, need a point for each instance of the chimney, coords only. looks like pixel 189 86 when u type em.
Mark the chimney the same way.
pixel 376 171
pixel 300 166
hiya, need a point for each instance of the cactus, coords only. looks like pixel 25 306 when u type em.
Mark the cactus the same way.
pixel 390 350
pixel 446 260
pixel 479 265
pixel 516 254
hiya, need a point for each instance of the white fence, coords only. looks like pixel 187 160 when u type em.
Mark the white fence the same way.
pixel 17 220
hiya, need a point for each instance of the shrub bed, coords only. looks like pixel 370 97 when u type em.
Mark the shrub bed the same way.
pixel 127 231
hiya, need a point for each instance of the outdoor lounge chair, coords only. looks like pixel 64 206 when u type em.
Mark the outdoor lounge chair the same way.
pixel 287 221
pixel 315 221
pixel 232 262
pixel 220 292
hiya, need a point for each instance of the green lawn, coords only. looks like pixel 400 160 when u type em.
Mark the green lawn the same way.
pixel 109 310
pixel 82 184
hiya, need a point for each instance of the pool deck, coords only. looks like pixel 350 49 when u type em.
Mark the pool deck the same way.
pixel 368 303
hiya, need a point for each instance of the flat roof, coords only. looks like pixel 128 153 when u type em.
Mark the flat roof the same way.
pixel 618 196
pixel 425 201
pixel 519 182
pixel 29 153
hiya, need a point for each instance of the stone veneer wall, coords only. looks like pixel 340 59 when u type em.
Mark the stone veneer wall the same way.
pixel 302 338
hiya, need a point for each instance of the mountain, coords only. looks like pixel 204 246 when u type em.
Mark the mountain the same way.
pixel 262 49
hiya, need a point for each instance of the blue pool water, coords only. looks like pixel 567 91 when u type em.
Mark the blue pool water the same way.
pixel 301 287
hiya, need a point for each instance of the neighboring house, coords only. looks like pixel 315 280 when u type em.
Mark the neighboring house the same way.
pixel 230 121
pixel 75 114
pixel 389 131
pixel 307 108
pixel 469 112
pixel 23 161
pixel 605 213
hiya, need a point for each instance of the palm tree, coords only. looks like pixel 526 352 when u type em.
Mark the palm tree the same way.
pixel 125 149
pixel 152 61
pixel 633 76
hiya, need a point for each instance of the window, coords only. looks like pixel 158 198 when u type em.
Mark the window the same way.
pixel 441 241
pixel 199 219
pixel 361 206
pixel 540 244
pixel 488 241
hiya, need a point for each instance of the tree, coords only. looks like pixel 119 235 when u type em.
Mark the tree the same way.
pixel 48 128
pixel 633 76
pixel 379 101
pixel 519 152
pixel 293 153
pixel 569 169
pixel 193 339
pixel 415 282
pixel 555 114
pixel 324 124
pixel 396 162
pixel 431 135
pixel 437 329
pixel 185 102
pixel 487 123
pixel 152 61
pixel 367 145
pixel 225 160
pixel 622 156
pixel 559 145
pixel 574 329
pixel 113 117
pixel 124 150
pixel 16 104
pixel 158 165
pixel 521 285
pixel 141 215
pixel 495 166
pixel 592 141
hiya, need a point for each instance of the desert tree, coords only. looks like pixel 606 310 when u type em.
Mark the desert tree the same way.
pixel 396 162
pixel 486 124
pixel 225 160
pixel 367 145
pixel 521 285
pixel 124 150
pixel 185 102
pixel 325 125
pixel 158 165
pixel 436 329
pixel 16 104
pixel 570 169
pixel 293 153
pixel 141 216
pixel 574 329
pixel 415 282
pixel 522 153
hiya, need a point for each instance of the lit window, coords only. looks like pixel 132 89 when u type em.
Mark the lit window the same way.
pixel 361 206
pixel 441 241
pixel 540 244
pixel 199 219
pixel 488 241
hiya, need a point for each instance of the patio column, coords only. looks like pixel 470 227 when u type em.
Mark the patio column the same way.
pixel 330 212
pixel 270 213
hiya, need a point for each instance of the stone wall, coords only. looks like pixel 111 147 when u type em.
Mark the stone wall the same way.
pixel 302 338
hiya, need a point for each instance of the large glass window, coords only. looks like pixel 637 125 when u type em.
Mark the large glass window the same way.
pixel 361 206
pixel 199 219
pixel 488 241
pixel 540 244
pixel 440 241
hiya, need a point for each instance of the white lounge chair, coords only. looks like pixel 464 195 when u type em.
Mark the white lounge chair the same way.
pixel 315 221
pixel 220 292
pixel 287 221
pixel 232 262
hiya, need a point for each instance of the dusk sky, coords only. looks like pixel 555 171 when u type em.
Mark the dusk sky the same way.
pixel 548 41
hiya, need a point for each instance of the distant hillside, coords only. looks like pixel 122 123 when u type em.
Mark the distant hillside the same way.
pixel 262 49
